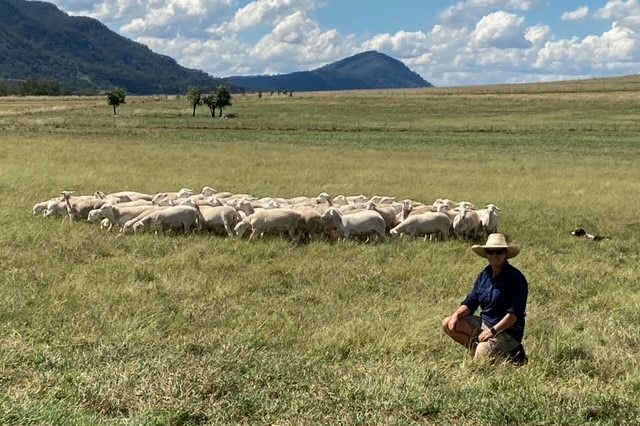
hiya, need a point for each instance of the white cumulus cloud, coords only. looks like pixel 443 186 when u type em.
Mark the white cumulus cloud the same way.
pixel 592 54
pixel 153 18
pixel 403 43
pixel 468 10
pixel 501 30
pixel 261 12
pixel 470 42
pixel 618 9
pixel 298 41
pixel 576 15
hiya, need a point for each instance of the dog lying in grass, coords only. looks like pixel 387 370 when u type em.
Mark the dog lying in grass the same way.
pixel 582 233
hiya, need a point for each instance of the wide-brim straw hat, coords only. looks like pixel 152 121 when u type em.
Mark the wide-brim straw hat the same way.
pixel 496 241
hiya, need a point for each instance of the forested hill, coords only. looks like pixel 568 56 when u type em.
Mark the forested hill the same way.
pixel 38 41
pixel 367 70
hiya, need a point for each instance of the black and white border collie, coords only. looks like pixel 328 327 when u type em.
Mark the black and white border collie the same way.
pixel 582 233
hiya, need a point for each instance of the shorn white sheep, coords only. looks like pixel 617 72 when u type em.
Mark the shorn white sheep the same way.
pixel 489 219
pixel 270 220
pixel 79 207
pixel 129 228
pixel 56 207
pixel 220 218
pixel 183 217
pixel 41 208
pixel 427 224
pixel 365 222
pixel 311 225
pixel 466 223
pixel 119 215
pixel 387 211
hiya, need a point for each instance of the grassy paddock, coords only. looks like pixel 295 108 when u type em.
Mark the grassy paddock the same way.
pixel 106 330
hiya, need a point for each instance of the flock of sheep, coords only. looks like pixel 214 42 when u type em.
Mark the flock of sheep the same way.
pixel 302 218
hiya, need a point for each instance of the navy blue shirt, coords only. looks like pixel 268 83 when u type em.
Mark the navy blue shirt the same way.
pixel 506 293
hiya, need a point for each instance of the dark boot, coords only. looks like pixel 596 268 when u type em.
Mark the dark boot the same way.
pixel 518 356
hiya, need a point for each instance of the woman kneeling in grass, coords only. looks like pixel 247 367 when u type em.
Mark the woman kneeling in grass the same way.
pixel 500 291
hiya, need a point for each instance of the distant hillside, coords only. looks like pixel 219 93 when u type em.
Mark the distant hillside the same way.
pixel 367 70
pixel 37 41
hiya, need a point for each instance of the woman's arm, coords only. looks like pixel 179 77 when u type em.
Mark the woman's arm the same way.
pixel 506 322
pixel 461 312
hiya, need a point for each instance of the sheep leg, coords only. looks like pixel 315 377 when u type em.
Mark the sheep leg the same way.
pixel 253 233
pixel 295 237
pixel 292 235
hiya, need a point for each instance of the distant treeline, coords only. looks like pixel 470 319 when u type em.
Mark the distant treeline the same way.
pixel 50 86
pixel 33 87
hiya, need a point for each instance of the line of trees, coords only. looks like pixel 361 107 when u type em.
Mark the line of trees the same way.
pixel 219 98
pixel 48 86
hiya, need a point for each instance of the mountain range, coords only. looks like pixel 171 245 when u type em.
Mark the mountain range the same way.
pixel 39 41
pixel 367 70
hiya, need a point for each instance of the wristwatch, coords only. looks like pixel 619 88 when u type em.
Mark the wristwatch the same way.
pixel 493 331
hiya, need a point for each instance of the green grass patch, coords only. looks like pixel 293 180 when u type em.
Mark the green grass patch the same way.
pixel 102 329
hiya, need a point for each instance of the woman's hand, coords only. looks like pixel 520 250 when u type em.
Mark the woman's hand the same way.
pixel 485 335
pixel 453 321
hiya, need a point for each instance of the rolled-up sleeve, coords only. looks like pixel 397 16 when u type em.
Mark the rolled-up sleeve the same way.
pixel 472 301
pixel 518 295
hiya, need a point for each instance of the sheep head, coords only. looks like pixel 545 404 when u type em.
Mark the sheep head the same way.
pixel 106 211
pixel 466 205
pixel 185 192
pixel 242 227
pixel 138 227
pixel 94 215
pixel 66 195
pixel 208 191
pixel 325 198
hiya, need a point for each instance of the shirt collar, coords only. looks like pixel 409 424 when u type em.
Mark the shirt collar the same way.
pixel 505 268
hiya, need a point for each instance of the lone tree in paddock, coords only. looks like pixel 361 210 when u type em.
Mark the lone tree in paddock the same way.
pixel 194 97
pixel 210 101
pixel 219 98
pixel 223 97
pixel 116 97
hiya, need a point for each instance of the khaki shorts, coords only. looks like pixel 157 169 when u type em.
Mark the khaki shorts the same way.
pixel 501 344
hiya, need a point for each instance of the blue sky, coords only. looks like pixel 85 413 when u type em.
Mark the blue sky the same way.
pixel 449 43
